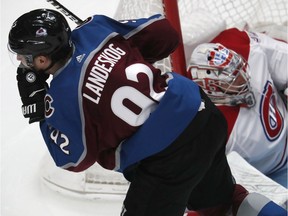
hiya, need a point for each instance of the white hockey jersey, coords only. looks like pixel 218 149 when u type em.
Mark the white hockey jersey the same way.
pixel 259 134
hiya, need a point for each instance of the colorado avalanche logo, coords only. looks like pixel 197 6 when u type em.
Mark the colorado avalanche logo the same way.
pixel 49 110
pixel 220 58
pixel 41 32
pixel 271 118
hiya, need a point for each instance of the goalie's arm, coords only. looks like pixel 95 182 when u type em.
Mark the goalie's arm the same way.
pixel 277 59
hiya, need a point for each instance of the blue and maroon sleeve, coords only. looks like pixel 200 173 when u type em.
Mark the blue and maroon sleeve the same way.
pixel 154 36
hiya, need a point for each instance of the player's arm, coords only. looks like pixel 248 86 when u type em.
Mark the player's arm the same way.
pixel 157 40
pixel 277 59
pixel 32 88
pixel 154 36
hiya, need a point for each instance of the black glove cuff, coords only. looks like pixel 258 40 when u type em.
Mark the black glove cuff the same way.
pixel 34 111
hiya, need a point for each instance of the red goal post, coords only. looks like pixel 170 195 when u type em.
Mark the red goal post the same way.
pixel 178 62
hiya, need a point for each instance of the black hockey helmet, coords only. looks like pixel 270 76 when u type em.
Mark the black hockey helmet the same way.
pixel 40 32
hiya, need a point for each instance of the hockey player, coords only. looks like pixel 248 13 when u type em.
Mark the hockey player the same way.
pixel 107 103
pixel 245 73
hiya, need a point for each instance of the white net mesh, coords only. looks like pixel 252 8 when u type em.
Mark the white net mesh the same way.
pixel 232 11
pixel 202 20
pixel 89 184
pixel 238 11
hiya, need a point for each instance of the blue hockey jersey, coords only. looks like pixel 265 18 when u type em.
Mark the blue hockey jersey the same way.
pixel 109 104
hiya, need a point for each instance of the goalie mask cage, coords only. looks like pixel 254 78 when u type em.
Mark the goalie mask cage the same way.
pixel 199 21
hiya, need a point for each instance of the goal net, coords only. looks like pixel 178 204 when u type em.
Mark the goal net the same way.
pixel 199 21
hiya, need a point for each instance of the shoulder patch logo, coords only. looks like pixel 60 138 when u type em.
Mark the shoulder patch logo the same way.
pixel 79 58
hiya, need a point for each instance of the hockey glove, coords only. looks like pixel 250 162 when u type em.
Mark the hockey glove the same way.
pixel 32 88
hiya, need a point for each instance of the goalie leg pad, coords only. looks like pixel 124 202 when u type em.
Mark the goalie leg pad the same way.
pixel 258 205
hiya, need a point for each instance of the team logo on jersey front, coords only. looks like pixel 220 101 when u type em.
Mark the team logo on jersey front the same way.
pixel 49 110
pixel 271 118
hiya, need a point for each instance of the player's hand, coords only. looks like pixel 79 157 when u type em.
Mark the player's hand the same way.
pixel 32 88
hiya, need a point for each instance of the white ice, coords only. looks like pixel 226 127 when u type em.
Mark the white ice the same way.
pixel 22 147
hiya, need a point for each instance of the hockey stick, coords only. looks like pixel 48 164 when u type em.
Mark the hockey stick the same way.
pixel 66 12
